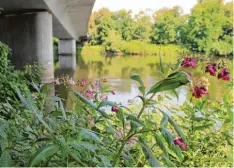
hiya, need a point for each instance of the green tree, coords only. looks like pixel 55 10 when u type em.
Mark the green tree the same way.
pixel 143 26
pixel 209 28
pixel 166 24
pixel 124 24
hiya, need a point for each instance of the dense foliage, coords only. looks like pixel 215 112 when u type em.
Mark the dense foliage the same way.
pixel 37 130
pixel 208 29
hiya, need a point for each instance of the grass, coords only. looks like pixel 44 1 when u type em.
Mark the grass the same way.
pixel 136 47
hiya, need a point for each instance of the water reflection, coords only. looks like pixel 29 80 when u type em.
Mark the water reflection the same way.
pixel 118 69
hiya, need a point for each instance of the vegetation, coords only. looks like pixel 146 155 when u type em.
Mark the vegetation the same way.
pixel 135 47
pixel 208 29
pixel 37 130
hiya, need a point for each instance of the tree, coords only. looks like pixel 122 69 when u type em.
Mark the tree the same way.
pixel 99 25
pixel 143 26
pixel 167 22
pixel 124 24
pixel 208 28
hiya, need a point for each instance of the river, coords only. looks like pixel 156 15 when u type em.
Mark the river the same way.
pixel 117 69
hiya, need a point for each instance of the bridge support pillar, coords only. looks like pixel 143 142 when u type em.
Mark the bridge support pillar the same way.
pixel 67 53
pixel 29 35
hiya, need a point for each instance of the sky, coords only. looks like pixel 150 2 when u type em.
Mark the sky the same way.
pixel 137 5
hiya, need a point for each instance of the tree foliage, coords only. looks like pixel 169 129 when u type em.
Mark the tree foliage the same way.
pixel 208 29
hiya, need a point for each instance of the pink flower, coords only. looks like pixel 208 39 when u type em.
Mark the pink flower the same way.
pixel 89 94
pixel 224 74
pixel 97 83
pixel 105 98
pixel 71 82
pixel 180 142
pixel 211 68
pixel 115 109
pixel 113 92
pixel 189 62
pixel 84 81
pixel 199 91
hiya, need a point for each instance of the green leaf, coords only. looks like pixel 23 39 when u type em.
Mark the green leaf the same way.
pixel 179 62
pixel 168 162
pixel 135 122
pixel 63 147
pixel 160 143
pixel 142 90
pixel 85 133
pixel 178 152
pixel 148 154
pixel 167 136
pixel 164 121
pixel 85 145
pixel 60 106
pixel 91 104
pixel 106 103
pixel 3 133
pixel 202 127
pixel 105 160
pixel 161 65
pixel 6 160
pixel 173 81
pixel 199 119
pixel 120 116
pixel 137 78
pixel 135 125
pixel 44 154
pixel 175 126
pixel 28 103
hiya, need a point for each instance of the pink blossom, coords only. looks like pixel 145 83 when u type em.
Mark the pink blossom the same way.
pixel 97 83
pixel 105 98
pixel 189 62
pixel 180 142
pixel 211 68
pixel 199 91
pixel 113 92
pixel 224 74
pixel 90 94
pixel 115 109
pixel 71 82
pixel 85 81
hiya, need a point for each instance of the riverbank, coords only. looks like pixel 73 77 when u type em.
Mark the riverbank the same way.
pixel 135 48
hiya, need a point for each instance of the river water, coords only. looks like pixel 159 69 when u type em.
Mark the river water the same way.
pixel 117 70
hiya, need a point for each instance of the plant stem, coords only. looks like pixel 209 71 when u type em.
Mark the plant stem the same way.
pixel 119 153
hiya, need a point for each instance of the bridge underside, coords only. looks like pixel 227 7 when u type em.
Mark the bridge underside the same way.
pixel 27 27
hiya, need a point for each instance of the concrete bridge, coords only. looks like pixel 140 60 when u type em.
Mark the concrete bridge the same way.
pixel 28 26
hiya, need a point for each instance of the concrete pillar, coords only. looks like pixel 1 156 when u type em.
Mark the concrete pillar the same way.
pixel 29 36
pixel 67 53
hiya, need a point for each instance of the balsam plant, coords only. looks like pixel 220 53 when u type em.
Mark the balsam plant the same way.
pixel 145 130
pixel 38 131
